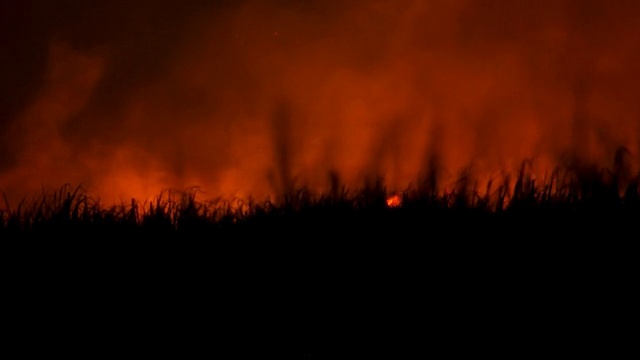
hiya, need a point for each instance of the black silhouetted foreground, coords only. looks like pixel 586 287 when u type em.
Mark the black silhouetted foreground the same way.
pixel 534 268
pixel 569 205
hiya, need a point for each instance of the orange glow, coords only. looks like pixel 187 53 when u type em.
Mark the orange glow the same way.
pixel 394 201
pixel 130 103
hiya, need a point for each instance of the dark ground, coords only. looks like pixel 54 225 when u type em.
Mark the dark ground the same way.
pixel 326 280
pixel 378 286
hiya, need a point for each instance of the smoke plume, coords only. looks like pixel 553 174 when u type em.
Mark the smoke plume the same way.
pixel 254 98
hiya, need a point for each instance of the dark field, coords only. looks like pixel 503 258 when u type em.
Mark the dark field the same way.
pixel 531 270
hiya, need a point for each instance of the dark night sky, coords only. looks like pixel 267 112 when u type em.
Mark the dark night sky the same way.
pixel 246 97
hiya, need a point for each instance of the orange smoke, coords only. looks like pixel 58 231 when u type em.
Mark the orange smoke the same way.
pixel 256 98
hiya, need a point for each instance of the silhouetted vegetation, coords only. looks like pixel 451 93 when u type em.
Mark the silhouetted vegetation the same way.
pixel 522 256
pixel 569 202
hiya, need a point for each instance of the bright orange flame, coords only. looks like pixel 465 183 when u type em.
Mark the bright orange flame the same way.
pixel 394 201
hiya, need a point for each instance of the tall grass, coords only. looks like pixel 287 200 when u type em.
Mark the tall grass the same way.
pixel 565 197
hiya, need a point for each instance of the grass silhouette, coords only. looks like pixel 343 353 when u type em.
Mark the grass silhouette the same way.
pixel 510 268
pixel 572 202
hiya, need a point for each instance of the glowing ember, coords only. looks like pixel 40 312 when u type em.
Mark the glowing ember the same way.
pixel 393 201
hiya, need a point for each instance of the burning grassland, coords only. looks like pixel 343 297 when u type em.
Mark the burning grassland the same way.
pixel 566 201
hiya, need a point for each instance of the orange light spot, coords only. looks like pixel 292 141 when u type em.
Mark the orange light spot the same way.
pixel 393 201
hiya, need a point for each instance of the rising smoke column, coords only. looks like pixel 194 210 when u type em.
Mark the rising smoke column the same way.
pixel 251 98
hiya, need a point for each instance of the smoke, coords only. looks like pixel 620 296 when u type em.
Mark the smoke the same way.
pixel 252 98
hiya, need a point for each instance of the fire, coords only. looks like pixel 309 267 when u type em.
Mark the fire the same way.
pixel 261 97
pixel 394 201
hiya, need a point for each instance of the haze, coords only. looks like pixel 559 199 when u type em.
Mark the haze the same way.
pixel 253 98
